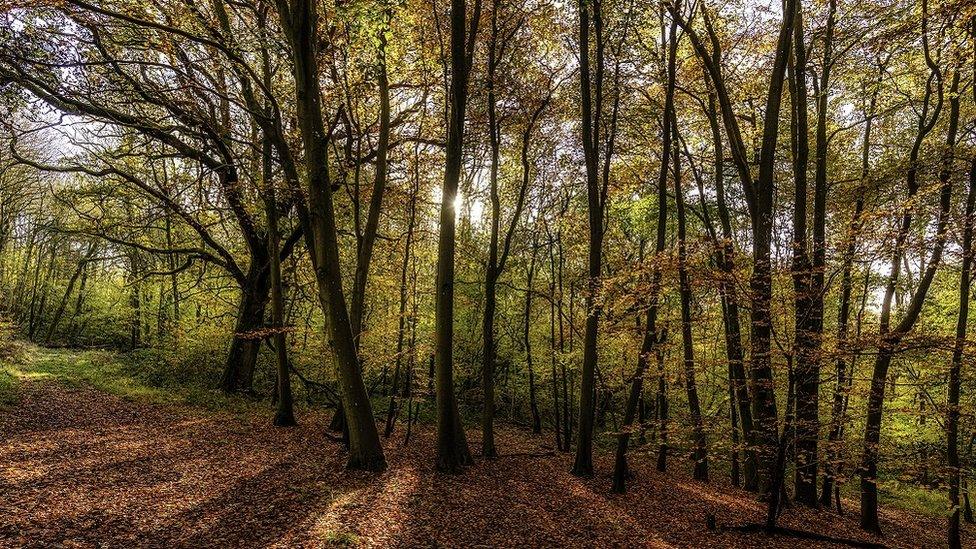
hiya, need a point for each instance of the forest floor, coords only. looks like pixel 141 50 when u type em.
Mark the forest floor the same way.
pixel 80 467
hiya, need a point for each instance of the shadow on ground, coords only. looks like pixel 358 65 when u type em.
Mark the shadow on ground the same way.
pixel 80 467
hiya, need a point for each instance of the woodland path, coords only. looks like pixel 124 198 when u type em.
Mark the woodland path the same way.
pixel 83 468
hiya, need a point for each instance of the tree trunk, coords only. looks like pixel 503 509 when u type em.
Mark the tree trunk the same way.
pixel 844 377
pixel 662 405
pixel 92 248
pixel 952 422
pixel 242 357
pixel 590 114
pixel 808 300
pixel 452 446
pixel 553 349
pixel 527 339
pixel 300 22
pixel 391 412
pixel 365 256
pixel 725 259
pixel 890 338
pixel 650 339
pixel 700 453
pixel 285 412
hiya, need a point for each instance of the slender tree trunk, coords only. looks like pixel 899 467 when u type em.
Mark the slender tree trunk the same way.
pixel 662 405
pixel 491 268
pixel 700 453
pixel 392 411
pixel 92 249
pixel 890 338
pixel 567 412
pixel 74 328
pixel 285 412
pixel 300 21
pixel 37 306
pixel 844 377
pixel 527 339
pixel 952 421
pixel 590 113
pixel 725 259
pixel 365 256
pixel 553 349
pixel 651 335
pixel 452 446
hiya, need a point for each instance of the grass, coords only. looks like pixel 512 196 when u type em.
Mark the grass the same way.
pixel 341 539
pixel 934 503
pixel 8 388
pixel 127 375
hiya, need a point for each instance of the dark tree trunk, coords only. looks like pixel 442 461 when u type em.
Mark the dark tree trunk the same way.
pixel 952 423
pixel 650 339
pixel 299 20
pixel 591 111
pixel 392 410
pixel 285 411
pixel 725 259
pixel 808 299
pixel 553 349
pixel 662 405
pixel 527 341
pixel 891 338
pixel 243 354
pixel 37 306
pixel 844 376
pixel 759 194
pixel 452 446
pixel 365 252
pixel 700 453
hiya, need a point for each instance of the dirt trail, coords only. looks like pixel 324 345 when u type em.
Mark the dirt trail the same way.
pixel 81 468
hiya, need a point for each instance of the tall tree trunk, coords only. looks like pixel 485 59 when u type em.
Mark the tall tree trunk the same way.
pixel 725 259
pixel 844 377
pixel 591 83
pixel 285 412
pixel 299 19
pixel 392 411
pixel 807 313
pixel 527 341
pixel 554 350
pixel 952 420
pixel 759 192
pixel 700 453
pixel 563 323
pixel 890 338
pixel 651 335
pixel 452 446
pixel 491 267
pixel 662 404
pixel 365 256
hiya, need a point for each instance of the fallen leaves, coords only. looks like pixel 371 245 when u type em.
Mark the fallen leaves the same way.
pixel 80 468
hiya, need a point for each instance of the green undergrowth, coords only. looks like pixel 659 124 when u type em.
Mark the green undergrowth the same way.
pixel 138 376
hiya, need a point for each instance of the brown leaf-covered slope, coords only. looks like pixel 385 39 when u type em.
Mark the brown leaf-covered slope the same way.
pixel 81 468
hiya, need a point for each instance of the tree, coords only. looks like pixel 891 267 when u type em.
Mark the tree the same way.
pixel 892 336
pixel 452 446
pixel 299 21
